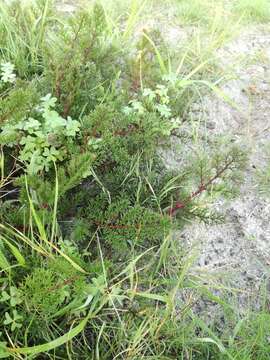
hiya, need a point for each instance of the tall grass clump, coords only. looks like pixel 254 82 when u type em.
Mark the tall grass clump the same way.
pixel 253 10
pixel 23 27
pixel 193 12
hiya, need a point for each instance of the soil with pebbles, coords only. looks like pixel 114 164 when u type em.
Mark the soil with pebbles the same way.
pixel 237 253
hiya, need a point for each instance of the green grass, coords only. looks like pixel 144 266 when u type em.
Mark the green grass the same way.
pixel 90 268
pixel 193 12
pixel 200 12
pixel 253 10
pixel 22 38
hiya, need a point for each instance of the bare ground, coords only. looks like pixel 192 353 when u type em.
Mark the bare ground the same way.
pixel 236 254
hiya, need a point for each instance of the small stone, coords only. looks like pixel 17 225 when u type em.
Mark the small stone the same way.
pixel 211 125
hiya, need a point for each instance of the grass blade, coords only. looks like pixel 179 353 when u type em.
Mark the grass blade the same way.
pixel 34 350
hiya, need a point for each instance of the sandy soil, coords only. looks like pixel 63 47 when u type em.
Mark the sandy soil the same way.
pixel 237 254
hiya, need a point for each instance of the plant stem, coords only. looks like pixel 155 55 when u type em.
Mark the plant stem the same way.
pixel 203 187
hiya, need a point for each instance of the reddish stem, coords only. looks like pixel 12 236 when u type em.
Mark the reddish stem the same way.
pixel 111 226
pixel 182 204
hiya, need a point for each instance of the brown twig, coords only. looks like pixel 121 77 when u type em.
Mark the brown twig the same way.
pixel 116 226
pixel 6 115
pixel 64 283
pixel 203 187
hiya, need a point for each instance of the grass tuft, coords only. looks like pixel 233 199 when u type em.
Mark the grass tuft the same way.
pixel 253 10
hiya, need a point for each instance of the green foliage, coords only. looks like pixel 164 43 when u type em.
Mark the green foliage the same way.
pixel 149 63
pixel 44 141
pixel 43 292
pixel 90 268
pixel 192 12
pixel 253 10
pixel 13 321
pixel 90 56
pixel 124 225
pixel 7 73
pixel 14 297
pixel 20 101
pixel 263 174
pixel 23 26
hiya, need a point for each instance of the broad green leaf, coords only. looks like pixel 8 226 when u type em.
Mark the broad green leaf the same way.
pixel 15 251
pixel 150 296
pixel 34 350
pixel 4 264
